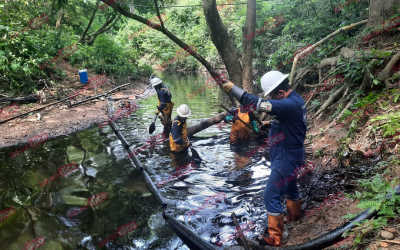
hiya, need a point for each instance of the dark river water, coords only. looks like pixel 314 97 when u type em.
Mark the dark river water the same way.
pixel 58 211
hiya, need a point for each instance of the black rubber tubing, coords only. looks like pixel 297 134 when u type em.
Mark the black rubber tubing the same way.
pixel 191 239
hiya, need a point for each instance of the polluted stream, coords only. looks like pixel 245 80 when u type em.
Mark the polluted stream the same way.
pixel 102 202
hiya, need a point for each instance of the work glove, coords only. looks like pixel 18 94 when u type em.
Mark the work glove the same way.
pixel 254 124
pixel 227 86
pixel 265 124
pixel 265 106
pixel 157 112
pixel 229 118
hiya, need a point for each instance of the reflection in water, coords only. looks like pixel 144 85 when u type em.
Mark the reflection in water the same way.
pixel 104 166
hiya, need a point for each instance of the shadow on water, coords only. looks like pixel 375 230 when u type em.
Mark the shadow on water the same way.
pixel 58 210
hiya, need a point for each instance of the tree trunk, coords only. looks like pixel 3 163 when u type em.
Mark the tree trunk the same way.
pixel 206 123
pixel 380 12
pixel 106 26
pixel 221 40
pixel 248 46
pixel 59 18
pixel 82 39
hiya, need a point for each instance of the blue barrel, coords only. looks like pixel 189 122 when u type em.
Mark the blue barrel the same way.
pixel 83 76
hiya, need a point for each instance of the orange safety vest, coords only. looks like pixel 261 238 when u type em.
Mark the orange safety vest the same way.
pixel 240 133
pixel 178 147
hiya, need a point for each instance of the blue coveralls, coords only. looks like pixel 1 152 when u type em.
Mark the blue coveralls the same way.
pixel 164 97
pixel 290 118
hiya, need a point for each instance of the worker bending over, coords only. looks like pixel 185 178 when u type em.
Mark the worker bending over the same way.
pixel 178 137
pixel 240 133
pixel 165 105
pixel 290 118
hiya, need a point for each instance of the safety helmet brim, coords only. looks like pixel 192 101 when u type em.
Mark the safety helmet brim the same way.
pixel 155 81
pixel 275 85
pixel 182 115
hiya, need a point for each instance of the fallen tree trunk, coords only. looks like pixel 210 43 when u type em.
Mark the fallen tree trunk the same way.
pixel 206 123
pixel 26 99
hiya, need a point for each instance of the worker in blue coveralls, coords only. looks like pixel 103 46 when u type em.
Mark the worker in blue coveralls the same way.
pixel 165 105
pixel 290 118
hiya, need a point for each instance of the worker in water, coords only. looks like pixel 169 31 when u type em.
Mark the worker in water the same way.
pixel 178 137
pixel 287 151
pixel 165 105
pixel 240 133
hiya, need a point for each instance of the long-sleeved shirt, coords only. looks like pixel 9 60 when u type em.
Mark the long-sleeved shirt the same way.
pixel 290 117
pixel 164 96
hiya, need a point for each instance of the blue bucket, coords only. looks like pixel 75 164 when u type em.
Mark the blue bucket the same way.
pixel 83 76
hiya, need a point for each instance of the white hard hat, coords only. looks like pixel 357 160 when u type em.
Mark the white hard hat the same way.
pixel 183 111
pixel 155 81
pixel 271 80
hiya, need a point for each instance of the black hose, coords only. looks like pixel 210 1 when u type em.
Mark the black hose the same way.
pixel 186 235
pixel 126 145
pixel 154 190
pixel 191 239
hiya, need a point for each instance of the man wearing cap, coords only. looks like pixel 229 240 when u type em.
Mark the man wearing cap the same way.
pixel 290 118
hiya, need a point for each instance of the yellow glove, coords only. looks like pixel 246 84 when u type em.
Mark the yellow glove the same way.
pixel 228 86
pixel 157 112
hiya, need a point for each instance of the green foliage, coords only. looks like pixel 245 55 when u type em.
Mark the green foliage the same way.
pixel 370 99
pixel 392 123
pixel 375 190
pixel 316 103
pixel 395 93
pixel 339 109
pixel 20 57
pixel 394 77
pixel 352 70
pixel 319 153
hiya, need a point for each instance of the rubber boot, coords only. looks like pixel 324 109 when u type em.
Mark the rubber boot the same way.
pixel 294 210
pixel 275 230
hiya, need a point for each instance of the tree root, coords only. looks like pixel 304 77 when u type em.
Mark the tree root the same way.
pixel 321 82
pixel 361 88
pixel 301 73
pixel 296 58
pixel 330 100
pixel 386 72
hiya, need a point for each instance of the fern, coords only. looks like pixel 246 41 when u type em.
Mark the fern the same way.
pixel 374 195
pixel 392 123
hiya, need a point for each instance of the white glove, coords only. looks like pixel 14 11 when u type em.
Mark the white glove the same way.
pixel 265 107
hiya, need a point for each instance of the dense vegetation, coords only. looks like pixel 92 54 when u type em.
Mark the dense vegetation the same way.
pixel 113 51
